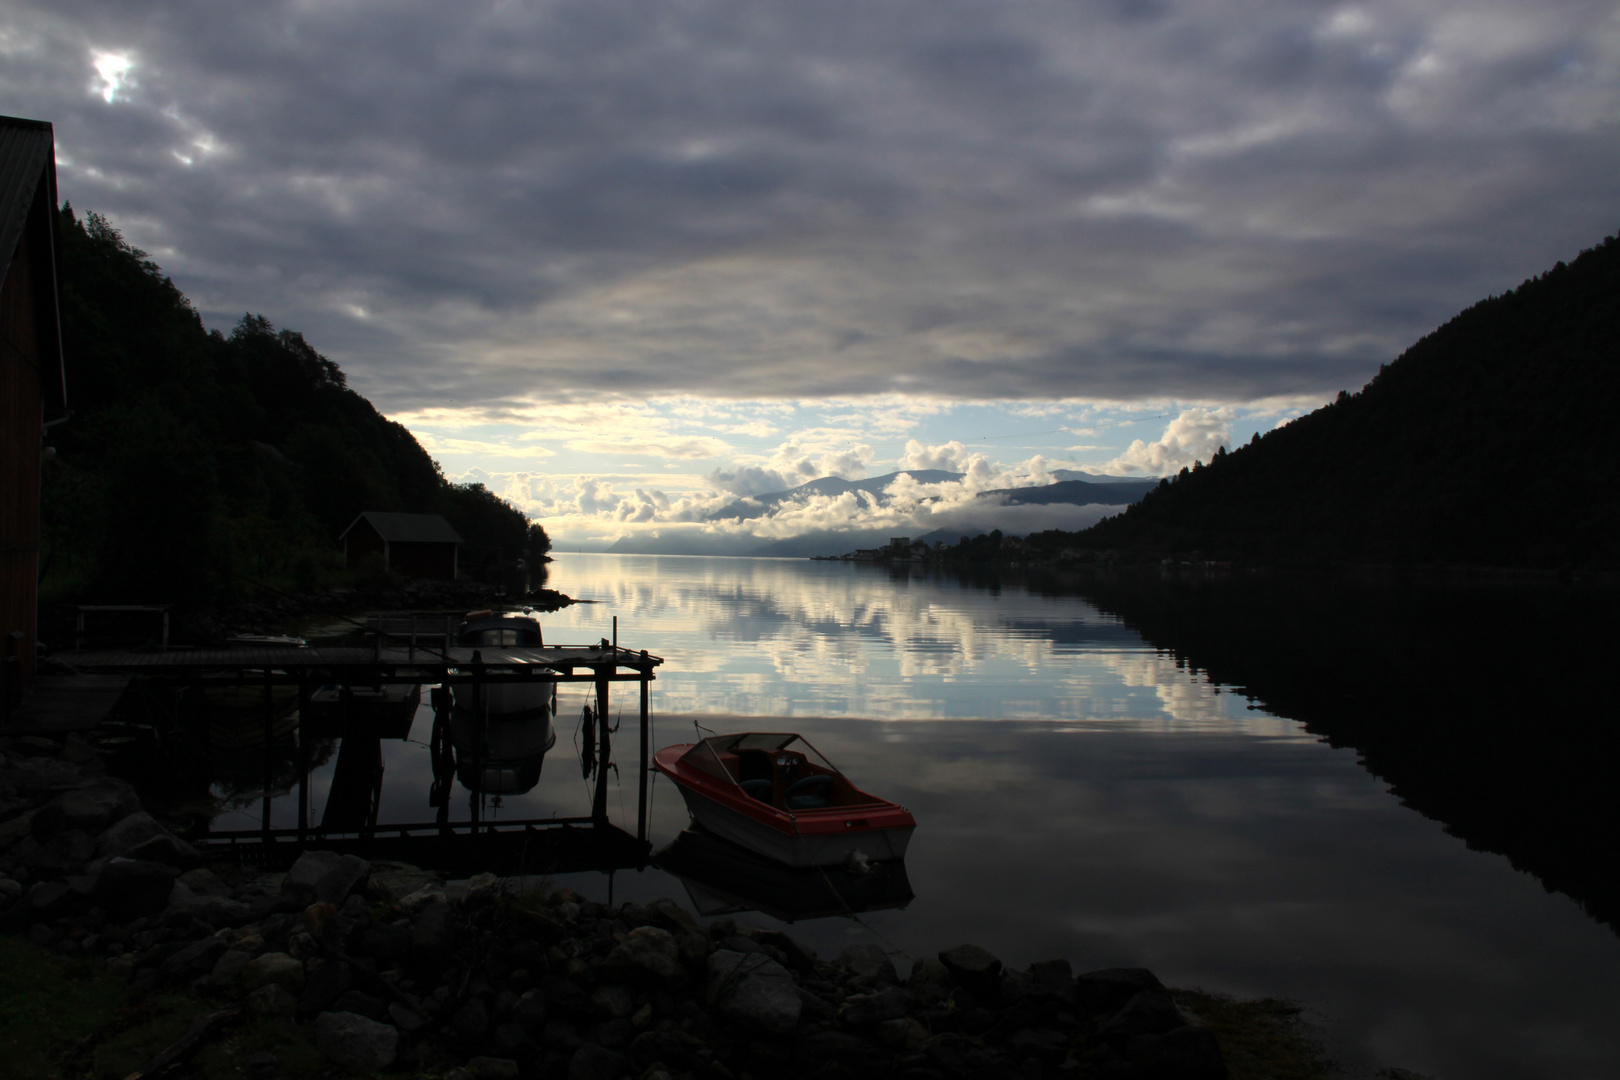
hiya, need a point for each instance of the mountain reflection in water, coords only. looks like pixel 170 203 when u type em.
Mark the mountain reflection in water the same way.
pixel 1482 706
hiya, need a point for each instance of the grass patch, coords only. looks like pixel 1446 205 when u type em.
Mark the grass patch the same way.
pixel 47 1006
pixel 1265 1039
pixel 66 1019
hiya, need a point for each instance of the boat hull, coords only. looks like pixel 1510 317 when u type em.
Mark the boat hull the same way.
pixel 796 848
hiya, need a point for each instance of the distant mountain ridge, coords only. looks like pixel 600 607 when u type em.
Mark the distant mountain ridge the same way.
pixel 756 506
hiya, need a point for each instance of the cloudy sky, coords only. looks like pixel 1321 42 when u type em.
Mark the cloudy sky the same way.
pixel 624 262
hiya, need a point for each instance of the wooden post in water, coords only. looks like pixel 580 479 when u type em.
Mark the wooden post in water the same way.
pixel 269 749
pixel 646 763
pixel 303 759
pixel 605 749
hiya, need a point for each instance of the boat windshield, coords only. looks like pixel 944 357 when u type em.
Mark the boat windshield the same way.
pixel 710 754
pixel 515 632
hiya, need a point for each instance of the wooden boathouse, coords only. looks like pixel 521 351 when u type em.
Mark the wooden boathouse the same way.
pixel 33 389
pixel 414 545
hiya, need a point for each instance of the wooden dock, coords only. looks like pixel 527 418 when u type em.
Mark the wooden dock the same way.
pixel 405 655
pixel 357 665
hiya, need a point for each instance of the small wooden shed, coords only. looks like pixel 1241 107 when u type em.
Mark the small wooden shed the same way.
pixel 32 386
pixel 415 545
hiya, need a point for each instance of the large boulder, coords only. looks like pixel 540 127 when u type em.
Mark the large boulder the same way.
pixel 131 888
pixel 869 963
pixel 890 1003
pixel 1106 990
pixel 1150 1012
pixel 274 968
pixel 356 1043
pixel 141 836
pixel 975 970
pixel 325 876
pixel 95 807
pixel 753 991
pixel 648 955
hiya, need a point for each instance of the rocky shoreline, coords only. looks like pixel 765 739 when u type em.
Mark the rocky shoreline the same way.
pixel 387 968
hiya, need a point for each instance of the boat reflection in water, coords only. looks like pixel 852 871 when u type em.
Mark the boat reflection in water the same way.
pixel 493 736
pixel 722 878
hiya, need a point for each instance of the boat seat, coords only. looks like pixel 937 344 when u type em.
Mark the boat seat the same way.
pixel 811 793
pixel 759 789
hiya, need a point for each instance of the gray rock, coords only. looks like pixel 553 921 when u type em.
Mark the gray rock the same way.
pixel 196 958
pixel 212 910
pixel 356 1043
pixel 323 986
pixel 325 876
pixel 275 968
pixel 95 807
pixel 648 956
pixel 392 882
pixel 753 991
pixel 902 1033
pixel 481 889
pixel 493 1068
pixel 227 971
pixel 529 1011
pixel 840 1047
pixel 64 853
pixel 131 888
pixel 141 836
pixel 471 1020
pixel 362 1004
pixel 386 944
pixel 1052 977
pixel 868 962
pixel 1184 1053
pixel 651 1047
pixel 592 1062
pixel 1149 1012
pixel 890 1003
pixel 1106 990
pixel 41 774
pixel 16 829
pixel 47 899
pixel 975 970
pixel 271 1000
pixel 204 882
pixel 614 1000
pixel 431 939
pixel 406 1019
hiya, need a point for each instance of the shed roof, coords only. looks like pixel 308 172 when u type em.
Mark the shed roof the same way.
pixel 28 187
pixel 408 528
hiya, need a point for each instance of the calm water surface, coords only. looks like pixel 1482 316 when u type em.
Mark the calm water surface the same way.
pixel 1085 793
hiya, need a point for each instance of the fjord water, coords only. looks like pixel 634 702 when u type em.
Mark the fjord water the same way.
pixel 1389 802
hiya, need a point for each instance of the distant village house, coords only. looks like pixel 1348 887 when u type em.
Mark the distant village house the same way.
pixel 414 545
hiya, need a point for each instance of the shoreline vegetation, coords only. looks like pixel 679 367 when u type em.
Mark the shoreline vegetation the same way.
pixel 125 954
pixel 210 471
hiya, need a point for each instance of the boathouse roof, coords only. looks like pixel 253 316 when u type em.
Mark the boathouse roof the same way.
pixel 408 528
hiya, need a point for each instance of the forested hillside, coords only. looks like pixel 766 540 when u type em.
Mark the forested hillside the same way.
pixel 195 464
pixel 1489 442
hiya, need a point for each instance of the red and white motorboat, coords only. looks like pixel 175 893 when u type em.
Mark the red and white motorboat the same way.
pixel 774 794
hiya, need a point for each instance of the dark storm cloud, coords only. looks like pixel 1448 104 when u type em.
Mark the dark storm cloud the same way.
pixel 1111 199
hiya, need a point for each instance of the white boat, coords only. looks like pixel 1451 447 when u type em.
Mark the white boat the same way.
pixel 501 731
